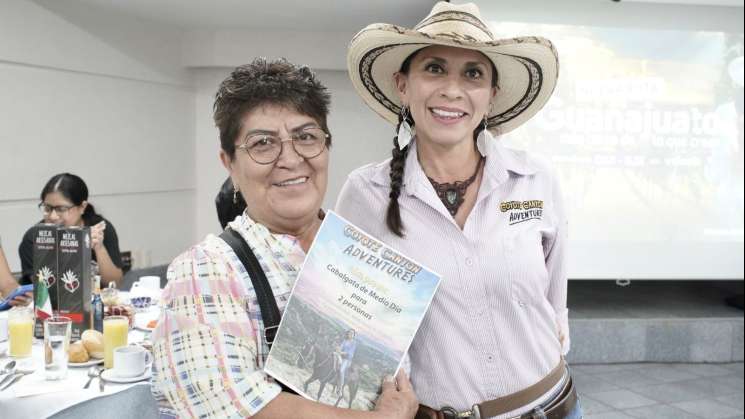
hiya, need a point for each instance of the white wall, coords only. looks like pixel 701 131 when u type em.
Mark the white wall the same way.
pixel 359 137
pixel 79 96
pixel 232 47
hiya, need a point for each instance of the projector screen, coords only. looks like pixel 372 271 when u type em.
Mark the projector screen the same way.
pixel 645 130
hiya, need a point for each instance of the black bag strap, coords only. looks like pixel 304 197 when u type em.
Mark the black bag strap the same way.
pixel 269 310
pixel 267 303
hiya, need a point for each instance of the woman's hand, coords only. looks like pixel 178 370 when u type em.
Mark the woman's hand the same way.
pixel 97 235
pixel 397 400
pixel 22 300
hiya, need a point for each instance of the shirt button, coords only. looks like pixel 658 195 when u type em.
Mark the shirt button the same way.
pixel 490 358
pixel 469 262
pixel 521 303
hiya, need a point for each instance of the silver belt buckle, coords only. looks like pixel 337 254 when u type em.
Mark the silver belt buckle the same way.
pixel 451 413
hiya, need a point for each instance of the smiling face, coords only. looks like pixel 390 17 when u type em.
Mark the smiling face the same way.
pixel 448 91
pixel 285 195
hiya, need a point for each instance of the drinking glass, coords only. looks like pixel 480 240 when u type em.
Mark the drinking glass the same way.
pixel 56 343
pixel 115 330
pixel 20 331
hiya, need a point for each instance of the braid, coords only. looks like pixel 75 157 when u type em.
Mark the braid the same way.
pixel 398 161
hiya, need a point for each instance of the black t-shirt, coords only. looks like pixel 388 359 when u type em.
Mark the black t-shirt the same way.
pixel 26 248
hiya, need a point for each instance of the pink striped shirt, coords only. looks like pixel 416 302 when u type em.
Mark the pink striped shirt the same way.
pixel 493 326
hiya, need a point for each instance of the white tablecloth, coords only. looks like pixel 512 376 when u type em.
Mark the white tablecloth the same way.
pixel 35 397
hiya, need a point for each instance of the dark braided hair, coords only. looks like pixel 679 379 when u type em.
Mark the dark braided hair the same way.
pixel 398 156
pixel 398 161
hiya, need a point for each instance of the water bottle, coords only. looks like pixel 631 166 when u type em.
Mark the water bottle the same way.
pixel 97 312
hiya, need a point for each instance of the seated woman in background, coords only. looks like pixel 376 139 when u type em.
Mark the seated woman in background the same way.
pixel 209 346
pixel 64 201
pixel 8 283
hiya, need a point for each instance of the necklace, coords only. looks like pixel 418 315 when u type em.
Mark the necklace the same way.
pixel 453 194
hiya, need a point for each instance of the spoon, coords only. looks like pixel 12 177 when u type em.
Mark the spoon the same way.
pixel 92 373
pixel 100 380
pixel 8 369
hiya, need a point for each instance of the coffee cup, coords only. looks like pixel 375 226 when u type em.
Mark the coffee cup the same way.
pixel 131 361
pixel 151 283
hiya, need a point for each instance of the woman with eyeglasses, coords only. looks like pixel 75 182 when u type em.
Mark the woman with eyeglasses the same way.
pixel 211 343
pixel 64 201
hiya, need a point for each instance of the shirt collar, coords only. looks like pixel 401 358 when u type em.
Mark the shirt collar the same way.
pixel 255 232
pixel 501 160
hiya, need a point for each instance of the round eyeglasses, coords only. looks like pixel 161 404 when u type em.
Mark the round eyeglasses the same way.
pixel 265 148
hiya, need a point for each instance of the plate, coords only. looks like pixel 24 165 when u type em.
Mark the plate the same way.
pixel 91 362
pixel 145 329
pixel 109 376
pixel 142 325
pixel 142 319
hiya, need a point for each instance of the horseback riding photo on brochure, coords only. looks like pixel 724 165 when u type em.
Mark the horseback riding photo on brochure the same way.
pixel 353 312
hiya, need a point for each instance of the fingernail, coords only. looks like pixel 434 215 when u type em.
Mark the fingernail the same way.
pixel 389 378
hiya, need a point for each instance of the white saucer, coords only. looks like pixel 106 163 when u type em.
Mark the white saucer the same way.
pixel 109 376
pixel 142 319
pixel 89 363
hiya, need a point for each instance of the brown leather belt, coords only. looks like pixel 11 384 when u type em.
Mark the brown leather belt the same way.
pixel 556 408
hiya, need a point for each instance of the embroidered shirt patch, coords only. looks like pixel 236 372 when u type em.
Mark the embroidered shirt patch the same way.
pixel 521 211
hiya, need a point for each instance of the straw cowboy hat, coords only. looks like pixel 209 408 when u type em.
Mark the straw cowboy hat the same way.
pixel 528 66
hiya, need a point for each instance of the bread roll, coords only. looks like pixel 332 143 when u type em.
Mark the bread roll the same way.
pixel 93 342
pixel 77 353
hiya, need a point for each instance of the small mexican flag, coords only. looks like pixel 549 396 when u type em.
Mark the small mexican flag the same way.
pixel 42 304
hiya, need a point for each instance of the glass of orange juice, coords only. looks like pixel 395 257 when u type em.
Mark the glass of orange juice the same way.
pixel 20 331
pixel 115 330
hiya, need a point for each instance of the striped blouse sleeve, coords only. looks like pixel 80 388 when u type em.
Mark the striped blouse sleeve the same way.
pixel 204 347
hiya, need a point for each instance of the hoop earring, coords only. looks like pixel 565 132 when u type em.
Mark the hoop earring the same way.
pixel 405 132
pixel 235 194
pixel 484 137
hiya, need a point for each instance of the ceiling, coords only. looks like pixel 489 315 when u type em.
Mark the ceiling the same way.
pixel 297 15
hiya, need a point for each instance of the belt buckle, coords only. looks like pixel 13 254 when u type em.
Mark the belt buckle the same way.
pixel 451 413
pixel 537 413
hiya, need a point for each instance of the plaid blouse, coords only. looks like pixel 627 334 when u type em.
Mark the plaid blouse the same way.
pixel 208 350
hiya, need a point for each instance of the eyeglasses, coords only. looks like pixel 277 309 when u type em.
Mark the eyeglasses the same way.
pixel 59 209
pixel 266 148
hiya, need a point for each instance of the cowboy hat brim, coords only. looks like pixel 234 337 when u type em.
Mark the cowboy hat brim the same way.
pixel 527 66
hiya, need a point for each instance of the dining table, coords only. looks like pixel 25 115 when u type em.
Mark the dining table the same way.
pixel 33 396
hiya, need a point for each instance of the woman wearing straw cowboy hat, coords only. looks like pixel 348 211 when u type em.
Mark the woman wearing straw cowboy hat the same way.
pixel 488 219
